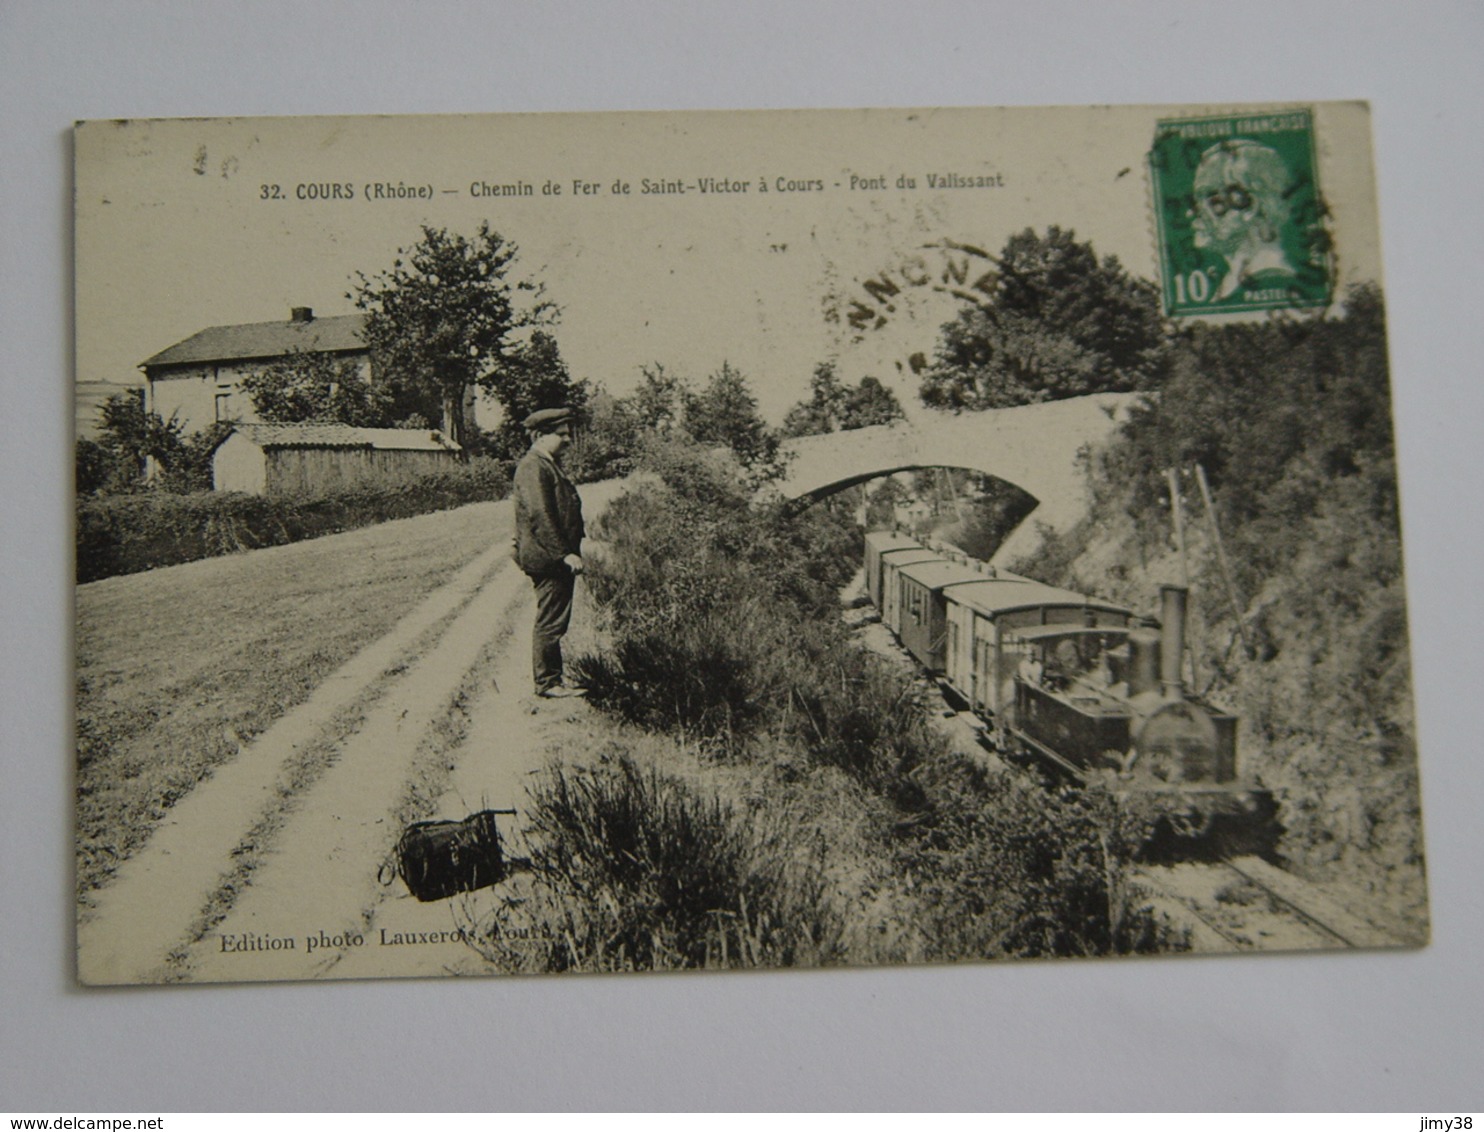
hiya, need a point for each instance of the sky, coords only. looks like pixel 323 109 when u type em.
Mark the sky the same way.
pixel 189 223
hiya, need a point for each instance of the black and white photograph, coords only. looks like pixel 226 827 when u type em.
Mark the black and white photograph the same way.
pixel 620 543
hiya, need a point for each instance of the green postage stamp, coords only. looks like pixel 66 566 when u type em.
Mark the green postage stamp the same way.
pixel 1239 214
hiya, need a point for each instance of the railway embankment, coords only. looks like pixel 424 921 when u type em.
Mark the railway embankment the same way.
pixel 1292 547
pixel 724 638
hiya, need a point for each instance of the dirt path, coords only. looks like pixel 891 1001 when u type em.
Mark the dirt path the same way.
pixel 185 908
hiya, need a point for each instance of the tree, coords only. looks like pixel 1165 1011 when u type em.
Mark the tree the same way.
pixel 817 414
pixel 97 467
pixel 532 376
pixel 317 387
pixel 869 403
pixel 135 436
pixel 656 403
pixel 129 437
pixel 1060 323
pixel 725 412
pixel 443 317
pixel 881 503
pixel 833 406
pixel 190 468
pixel 607 441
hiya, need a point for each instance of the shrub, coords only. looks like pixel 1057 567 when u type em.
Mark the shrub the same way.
pixel 850 710
pixel 634 869
pixel 1005 868
pixel 699 678
pixel 709 599
pixel 124 534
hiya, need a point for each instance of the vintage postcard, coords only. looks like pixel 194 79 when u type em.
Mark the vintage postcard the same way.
pixel 654 541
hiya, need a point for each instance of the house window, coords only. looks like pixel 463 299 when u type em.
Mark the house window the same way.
pixel 223 412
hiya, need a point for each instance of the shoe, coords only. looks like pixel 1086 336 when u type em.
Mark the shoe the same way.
pixel 561 692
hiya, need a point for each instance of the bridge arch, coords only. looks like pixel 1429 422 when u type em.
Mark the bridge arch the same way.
pixel 1037 448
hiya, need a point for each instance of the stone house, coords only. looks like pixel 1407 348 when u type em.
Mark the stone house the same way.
pixel 198 380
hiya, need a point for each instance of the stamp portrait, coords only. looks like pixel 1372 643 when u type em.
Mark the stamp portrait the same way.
pixel 1239 214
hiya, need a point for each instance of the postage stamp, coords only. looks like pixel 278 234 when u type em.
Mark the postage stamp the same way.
pixel 1239 214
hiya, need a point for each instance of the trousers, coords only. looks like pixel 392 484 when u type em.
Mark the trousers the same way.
pixel 553 615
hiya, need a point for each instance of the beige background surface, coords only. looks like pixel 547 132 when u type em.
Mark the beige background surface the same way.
pixel 1370 1031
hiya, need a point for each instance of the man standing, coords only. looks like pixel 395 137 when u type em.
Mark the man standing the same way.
pixel 548 542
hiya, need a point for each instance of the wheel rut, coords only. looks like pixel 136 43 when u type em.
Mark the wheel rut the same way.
pixel 284 842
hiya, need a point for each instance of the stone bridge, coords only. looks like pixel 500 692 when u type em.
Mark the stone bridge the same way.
pixel 1035 447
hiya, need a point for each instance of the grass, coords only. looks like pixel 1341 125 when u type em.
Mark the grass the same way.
pixel 179 668
pixel 641 868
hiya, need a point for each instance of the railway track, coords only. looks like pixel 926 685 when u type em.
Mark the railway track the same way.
pixel 1247 904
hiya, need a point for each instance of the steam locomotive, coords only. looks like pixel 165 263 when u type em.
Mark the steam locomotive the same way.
pixel 1080 682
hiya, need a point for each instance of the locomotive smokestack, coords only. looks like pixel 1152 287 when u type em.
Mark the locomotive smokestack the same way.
pixel 1172 640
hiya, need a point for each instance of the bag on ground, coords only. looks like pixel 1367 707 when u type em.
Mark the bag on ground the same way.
pixel 437 859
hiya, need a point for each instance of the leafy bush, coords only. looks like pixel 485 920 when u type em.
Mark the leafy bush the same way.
pixel 606 441
pixel 708 598
pixel 725 412
pixel 99 467
pixel 1006 868
pixel 1059 323
pixel 123 534
pixel 634 869
pixel 833 405
pixel 313 386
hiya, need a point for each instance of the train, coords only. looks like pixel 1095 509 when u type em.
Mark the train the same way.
pixel 1082 683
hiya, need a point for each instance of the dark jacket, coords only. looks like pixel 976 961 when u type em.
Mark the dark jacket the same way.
pixel 548 516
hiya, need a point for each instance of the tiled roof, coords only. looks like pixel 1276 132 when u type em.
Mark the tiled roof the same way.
pixel 345 436
pixel 265 340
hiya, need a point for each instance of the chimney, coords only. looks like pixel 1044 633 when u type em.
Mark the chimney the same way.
pixel 1172 643
pixel 301 314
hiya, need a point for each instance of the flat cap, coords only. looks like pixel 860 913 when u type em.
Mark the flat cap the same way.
pixel 544 420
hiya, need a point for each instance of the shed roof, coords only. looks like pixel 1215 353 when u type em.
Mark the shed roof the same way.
pixel 344 436
pixel 337 334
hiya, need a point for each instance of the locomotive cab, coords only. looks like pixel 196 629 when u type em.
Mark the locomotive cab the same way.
pixel 1092 700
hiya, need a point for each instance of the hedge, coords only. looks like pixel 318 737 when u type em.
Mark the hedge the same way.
pixel 124 534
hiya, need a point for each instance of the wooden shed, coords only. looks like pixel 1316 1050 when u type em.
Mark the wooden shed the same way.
pixel 310 459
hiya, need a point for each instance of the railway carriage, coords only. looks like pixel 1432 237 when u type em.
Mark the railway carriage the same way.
pixel 923 607
pixel 1073 679
pixel 994 622
pixel 892 564
pixel 877 544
